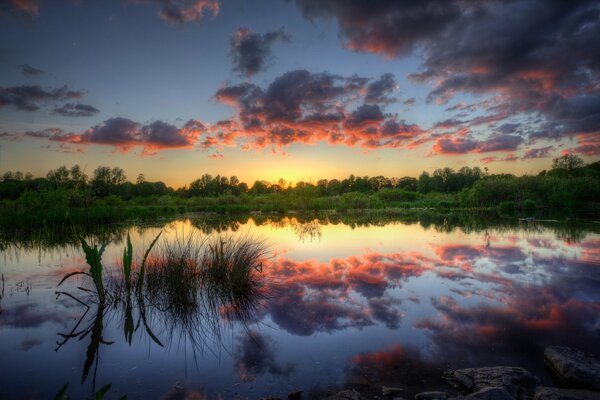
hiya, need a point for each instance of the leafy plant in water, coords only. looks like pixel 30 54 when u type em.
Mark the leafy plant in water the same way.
pixel 93 256
pixel 143 266
pixel 127 260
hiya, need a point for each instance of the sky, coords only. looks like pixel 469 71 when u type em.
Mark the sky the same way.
pixel 297 89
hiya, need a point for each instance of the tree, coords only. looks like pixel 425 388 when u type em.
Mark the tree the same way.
pixel 568 162
pixel 118 176
pixel 140 179
pixel 425 183
pixel 59 176
pixel 408 183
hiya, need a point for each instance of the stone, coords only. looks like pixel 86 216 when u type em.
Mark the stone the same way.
pixel 490 393
pixel 391 391
pixel 345 395
pixel 518 382
pixel 575 368
pixel 550 393
pixel 295 395
pixel 431 396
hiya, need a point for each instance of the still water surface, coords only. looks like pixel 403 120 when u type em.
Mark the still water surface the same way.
pixel 367 303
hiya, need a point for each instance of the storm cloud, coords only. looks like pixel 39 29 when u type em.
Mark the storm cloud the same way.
pixel 534 57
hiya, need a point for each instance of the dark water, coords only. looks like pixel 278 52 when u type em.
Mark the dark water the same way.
pixel 350 302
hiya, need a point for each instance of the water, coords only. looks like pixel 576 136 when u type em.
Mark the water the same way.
pixel 351 302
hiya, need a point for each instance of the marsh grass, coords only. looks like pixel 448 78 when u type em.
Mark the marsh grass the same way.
pixel 200 282
pixel 184 290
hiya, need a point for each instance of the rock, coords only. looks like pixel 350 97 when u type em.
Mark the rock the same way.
pixel 574 367
pixel 391 391
pixel 550 393
pixel 431 396
pixel 345 395
pixel 295 395
pixel 518 382
pixel 490 393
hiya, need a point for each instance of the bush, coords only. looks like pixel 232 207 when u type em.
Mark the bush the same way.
pixel 506 206
pixel 396 195
pixel 358 200
pixel 529 205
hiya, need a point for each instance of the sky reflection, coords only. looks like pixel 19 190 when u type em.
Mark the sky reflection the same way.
pixel 349 304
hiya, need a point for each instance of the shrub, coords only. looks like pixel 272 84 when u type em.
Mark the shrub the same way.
pixel 506 206
pixel 397 195
pixel 529 205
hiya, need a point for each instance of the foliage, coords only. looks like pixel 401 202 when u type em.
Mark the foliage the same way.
pixel 68 196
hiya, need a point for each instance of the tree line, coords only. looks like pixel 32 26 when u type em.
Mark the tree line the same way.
pixel 106 181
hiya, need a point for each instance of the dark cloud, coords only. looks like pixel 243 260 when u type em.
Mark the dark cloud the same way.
pixel 365 114
pixel 394 364
pixel 305 107
pixel 30 315
pixel 303 314
pixel 29 7
pixel 537 58
pixel 380 91
pixel 389 27
pixel 126 134
pixel 383 310
pixel 31 98
pixel 541 152
pixel 76 110
pixel 255 355
pixel 28 70
pixel 460 145
pixel 251 51
pixel 183 11
pixel 27 344
pixel 307 294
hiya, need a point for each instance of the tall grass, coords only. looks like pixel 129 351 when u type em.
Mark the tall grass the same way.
pixel 187 286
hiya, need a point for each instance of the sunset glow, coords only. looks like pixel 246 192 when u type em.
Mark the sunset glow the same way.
pixel 297 90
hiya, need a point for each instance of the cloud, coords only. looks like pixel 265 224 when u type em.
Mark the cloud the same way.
pixel 391 28
pixel 380 91
pixel 251 51
pixel 29 315
pixel 31 98
pixel 29 7
pixel 304 107
pixel 29 343
pixel 307 294
pixel 396 363
pixel 28 70
pixel 458 145
pixel 125 134
pixel 542 152
pixel 255 355
pixel 184 11
pixel 534 58
pixel 76 110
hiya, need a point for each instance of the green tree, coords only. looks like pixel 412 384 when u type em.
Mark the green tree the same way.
pixel 568 162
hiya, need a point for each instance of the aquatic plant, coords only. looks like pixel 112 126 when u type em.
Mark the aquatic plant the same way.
pixel 190 285
pixel 93 257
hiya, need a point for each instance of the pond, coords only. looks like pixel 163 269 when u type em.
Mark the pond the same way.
pixel 347 302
